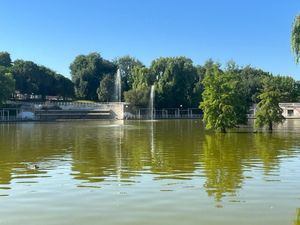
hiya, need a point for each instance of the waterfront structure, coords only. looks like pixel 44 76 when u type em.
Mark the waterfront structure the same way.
pixel 290 110
pixel 114 110
pixel 62 111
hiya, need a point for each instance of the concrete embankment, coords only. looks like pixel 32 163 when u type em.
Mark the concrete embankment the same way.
pixel 53 111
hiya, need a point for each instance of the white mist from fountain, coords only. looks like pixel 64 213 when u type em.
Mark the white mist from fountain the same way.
pixel 118 86
pixel 151 103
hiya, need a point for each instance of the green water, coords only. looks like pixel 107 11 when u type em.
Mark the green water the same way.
pixel 161 172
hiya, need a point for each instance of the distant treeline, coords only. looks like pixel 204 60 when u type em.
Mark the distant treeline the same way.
pixel 28 78
pixel 178 82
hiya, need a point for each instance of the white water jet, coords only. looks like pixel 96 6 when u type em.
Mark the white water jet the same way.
pixel 151 103
pixel 118 86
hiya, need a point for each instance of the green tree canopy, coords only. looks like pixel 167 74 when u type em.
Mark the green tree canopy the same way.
pixel 198 84
pixel 251 83
pixel 287 87
pixel 40 80
pixel 26 74
pixel 87 71
pixel 268 111
pixel 139 95
pixel 296 38
pixel 64 87
pixel 5 59
pixel 175 81
pixel 142 77
pixel 222 104
pixel 126 65
pixel 7 86
pixel 106 89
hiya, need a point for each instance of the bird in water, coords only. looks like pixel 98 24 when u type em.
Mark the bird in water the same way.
pixel 33 167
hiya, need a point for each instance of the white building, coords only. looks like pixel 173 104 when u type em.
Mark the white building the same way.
pixel 290 110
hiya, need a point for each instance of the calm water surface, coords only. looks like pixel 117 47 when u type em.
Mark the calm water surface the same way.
pixel 162 172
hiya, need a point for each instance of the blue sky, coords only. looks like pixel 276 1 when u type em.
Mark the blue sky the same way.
pixel 53 32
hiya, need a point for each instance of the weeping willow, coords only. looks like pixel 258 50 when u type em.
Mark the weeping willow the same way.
pixel 296 38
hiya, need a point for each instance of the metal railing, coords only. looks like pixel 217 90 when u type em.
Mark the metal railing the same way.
pixel 69 105
pixel 168 113
pixel 290 105
pixel 10 114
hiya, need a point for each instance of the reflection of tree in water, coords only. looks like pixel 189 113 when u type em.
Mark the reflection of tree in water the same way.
pixel 171 149
pixel 297 220
pixel 268 148
pixel 111 152
pixel 176 147
pixel 168 149
pixel 94 155
pixel 226 157
pixel 222 163
pixel 104 152
pixel 136 149
pixel 30 143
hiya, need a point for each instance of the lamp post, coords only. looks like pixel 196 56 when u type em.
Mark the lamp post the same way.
pixel 178 111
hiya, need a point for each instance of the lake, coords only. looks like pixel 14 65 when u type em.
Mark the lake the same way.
pixel 168 172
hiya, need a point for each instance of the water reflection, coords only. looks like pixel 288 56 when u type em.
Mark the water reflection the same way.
pixel 222 163
pixel 297 220
pixel 226 158
pixel 123 151
pixel 24 146
pixel 173 149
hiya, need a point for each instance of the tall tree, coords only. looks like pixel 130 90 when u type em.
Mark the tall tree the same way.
pixel 5 59
pixel 296 38
pixel 46 82
pixel 106 88
pixel 126 65
pixel 26 74
pixel 7 86
pixel 251 83
pixel 221 99
pixel 40 80
pixel 268 111
pixel 64 87
pixel 138 96
pixel 175 79
pixel 198 85
pixel 87 71
pixel 287 87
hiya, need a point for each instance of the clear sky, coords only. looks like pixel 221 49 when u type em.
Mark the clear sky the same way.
pixel 53 32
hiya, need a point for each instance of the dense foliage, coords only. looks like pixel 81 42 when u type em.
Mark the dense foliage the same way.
pixel 142 78
pixel 87 71
pixel 223 102
pixel 225 93
pixel 5 60
pixel 29 78
pixel 268 110
pixel 39 80
pixel 7 84
pixel 126 65
pixel 296 38
pixel 106 88
pixel 175 80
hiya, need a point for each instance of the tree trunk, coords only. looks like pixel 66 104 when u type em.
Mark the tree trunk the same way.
pixel 270 126
pixel 223 130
